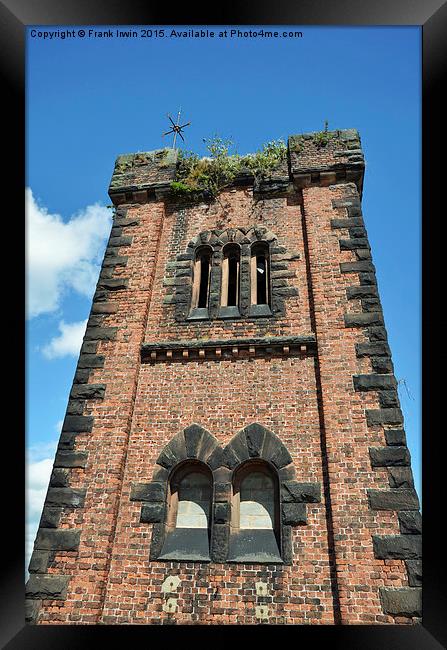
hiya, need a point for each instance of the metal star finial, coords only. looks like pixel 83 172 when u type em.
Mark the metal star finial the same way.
pixel 176 128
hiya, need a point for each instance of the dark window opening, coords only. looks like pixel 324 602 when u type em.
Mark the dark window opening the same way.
pixel 232 282
pixel 260 275
pixel 204 281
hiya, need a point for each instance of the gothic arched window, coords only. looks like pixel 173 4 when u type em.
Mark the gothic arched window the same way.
pixel 230 287
pixel 201 282
pixel 260 279
pixel 255 515
pixel 188 521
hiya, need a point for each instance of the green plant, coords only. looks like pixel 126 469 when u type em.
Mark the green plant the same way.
pixel 208 176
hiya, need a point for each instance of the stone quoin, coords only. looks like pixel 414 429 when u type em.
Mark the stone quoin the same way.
pixel 233 450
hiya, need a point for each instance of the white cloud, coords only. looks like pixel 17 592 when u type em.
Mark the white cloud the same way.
pixel 37 479
pixel 62 256
pixel 68 343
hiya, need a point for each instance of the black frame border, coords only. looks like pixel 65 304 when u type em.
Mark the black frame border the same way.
pixel 431 15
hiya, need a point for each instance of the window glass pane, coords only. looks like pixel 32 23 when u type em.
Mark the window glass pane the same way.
pixel 194 495
pixel 257 501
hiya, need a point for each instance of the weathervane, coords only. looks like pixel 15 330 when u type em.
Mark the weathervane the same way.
pixel 176 128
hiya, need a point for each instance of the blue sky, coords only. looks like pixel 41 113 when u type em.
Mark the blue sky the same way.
pixel 89 100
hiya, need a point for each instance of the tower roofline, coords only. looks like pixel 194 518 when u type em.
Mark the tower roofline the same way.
pixel 316 158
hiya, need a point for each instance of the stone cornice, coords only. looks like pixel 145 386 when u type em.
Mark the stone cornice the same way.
pixel 320 158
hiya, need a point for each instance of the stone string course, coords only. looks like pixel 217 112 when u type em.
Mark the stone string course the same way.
pixel 350 521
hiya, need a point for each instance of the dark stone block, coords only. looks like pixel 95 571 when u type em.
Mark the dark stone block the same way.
pixel 152 513
pixel 39 562
pixel 374 382
pixel 410 523
pixel 90 361
pixel 353 267
pixel 89 347
pixel 397 547
pixel 281 457
pixel 347 223
pixel 351 244
pixel 75 407
pixel 222 491
pixel 389 399
pixel 94 320
pixel 363 254
pixel 294 514
pixel 120 241
pixel 104 308
pixel 383 416
pixel 382 365
pixel 230 458
pixel 32 608
pixel 371 304
pixel 67 441
pixel 59 478
pixel 220 542
pixel 78 423
pixel 357 232
pixel 401 477
pixel 47 587
pixel 50 517
pixel 115 260
pixel 216 459
pixel 158 534
pixel 393 499
pixel 377 334
pixel 372 349
pixel 414 570
pixel 292 491
pixel 254 435
pixel 257 546
pixel 114 284
pixel 395 437
pixel 287 546
pixel 193 438
pixel 167 458
pixel 361 292
pixel 389 456
pixel 65 497
pixel 101 333
pixel 401 602
pixel 221 513
pixel 368 279
pixel 148 492
pixel 363 319
pixel 71 459
pixel 58 540
pixel 81 376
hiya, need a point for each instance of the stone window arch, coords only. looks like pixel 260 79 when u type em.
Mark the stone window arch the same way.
pixel 255 526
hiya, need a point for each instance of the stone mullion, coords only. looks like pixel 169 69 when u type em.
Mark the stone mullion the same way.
pixel 215 283
pixel 245 280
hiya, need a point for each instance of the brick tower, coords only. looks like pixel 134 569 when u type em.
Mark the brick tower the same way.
pixel 233 449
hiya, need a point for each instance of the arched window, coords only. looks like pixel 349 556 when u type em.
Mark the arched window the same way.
pixel 260 278
pixel 201 282
pixel 255 516
pixel 229 300
pixel 188 521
